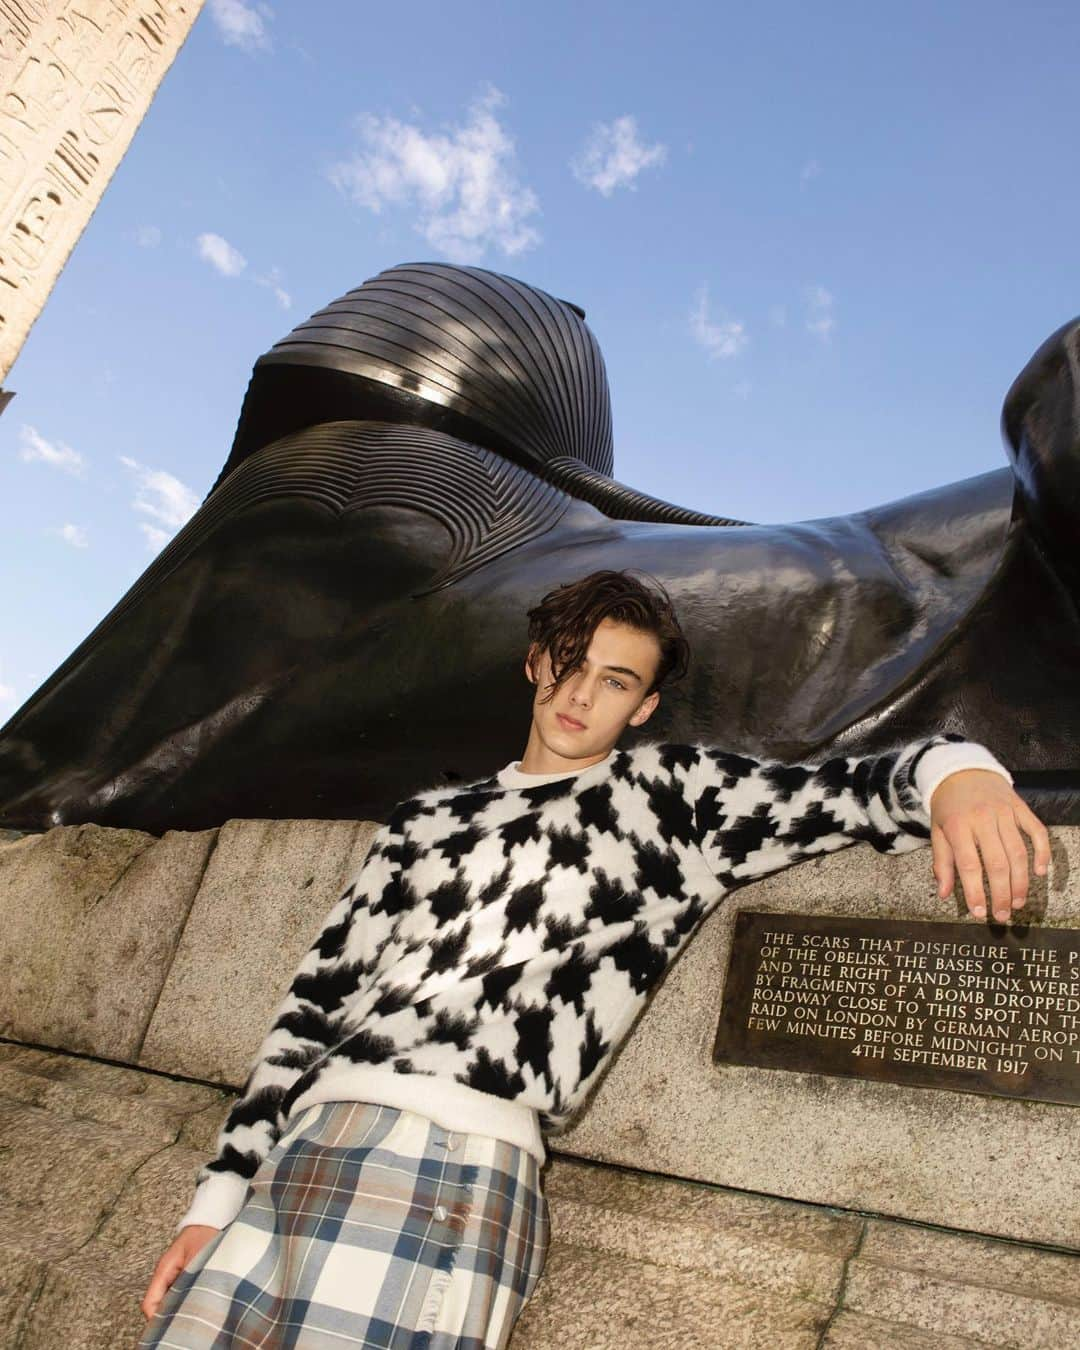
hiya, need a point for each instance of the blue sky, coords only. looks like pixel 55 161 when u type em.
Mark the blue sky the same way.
pixel 816 244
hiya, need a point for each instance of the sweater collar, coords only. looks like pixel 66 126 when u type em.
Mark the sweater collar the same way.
pixel 511 775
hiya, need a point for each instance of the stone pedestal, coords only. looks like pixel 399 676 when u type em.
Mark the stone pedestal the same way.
pixel 171 955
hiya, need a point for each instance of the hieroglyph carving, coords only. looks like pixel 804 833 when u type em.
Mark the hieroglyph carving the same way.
pixel 76 78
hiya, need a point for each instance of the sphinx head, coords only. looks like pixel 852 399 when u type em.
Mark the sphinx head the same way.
pixel 480 356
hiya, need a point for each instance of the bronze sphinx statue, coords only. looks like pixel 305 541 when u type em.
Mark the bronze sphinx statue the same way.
pixel 342 621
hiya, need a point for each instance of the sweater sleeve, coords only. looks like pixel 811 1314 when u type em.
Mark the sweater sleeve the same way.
pixel 754 817
pixel 344 953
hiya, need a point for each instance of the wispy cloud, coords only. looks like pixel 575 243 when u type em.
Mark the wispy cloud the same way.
pixel 148 236
pixel 74 535
pixel 223 257
pixel 820 319
pixel 810 170
pixel 241 24
pixel 34 446
pixel 614 155
pixel 162 496
pixel 721 340
pixel 462 181
pixel 220 254
pixel 272 281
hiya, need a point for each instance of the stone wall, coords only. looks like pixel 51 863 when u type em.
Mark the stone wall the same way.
pixel 172 954
pixel 76 79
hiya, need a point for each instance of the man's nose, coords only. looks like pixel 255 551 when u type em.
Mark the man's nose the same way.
pixel 581 691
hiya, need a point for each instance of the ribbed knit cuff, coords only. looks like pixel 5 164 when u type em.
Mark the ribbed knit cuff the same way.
pixel 941 760
pixel 218 1200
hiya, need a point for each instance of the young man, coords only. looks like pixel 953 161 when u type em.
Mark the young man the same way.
pixel 379 1177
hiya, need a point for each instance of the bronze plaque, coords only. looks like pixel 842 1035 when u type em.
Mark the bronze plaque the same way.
pixel 943 1005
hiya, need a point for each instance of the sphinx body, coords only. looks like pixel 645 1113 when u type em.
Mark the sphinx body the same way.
pixel 343 620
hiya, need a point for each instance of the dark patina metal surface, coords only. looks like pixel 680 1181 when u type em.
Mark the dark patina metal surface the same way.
pixel 973 1008
pixel 342 622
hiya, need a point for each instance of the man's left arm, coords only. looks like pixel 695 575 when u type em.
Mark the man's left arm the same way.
pixel 753 817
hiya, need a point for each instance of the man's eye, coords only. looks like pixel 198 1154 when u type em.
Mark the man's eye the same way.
pixel 617 683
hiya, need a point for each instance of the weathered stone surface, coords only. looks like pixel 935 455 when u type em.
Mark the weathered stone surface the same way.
pixel 146 1104
pixel 665 1107
pixel 90 1199
pixel 977 1261
pixel 200 1131
pixel 91 920
pixel 91 1184
pixel 942 1306
pixel 21 1277
pixel 852 1331
pixel 953 1284
pixel 79 1310
pixel 267 889
pixel 593 1299
pixel 756 1241
pixel 61 1175
pixel 753 1217
pixel 76 80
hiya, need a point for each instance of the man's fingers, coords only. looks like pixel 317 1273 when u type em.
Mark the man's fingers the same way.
pixel 943 861
pixel 1016 849
pixel 1038 834
pixel 996 862
pixel 165 1272
pixel 970 869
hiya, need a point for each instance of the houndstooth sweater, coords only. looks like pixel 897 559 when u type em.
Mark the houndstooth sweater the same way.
pixel 488 958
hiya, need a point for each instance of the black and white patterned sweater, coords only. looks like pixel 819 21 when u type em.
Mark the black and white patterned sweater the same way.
pixel 500 938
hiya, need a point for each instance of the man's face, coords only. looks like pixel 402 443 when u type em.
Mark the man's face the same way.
pixel 587 714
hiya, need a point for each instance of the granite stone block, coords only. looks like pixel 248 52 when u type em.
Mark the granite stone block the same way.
pixel 266 892
pixel 91 920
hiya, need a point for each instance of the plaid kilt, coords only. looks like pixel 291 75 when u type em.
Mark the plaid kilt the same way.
pixel 367 1225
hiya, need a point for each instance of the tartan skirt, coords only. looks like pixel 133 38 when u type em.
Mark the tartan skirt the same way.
pixel 367 1225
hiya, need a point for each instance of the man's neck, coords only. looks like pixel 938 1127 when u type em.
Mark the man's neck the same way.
pixel 538 758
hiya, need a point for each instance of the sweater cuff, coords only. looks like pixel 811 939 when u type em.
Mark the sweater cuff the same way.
pixel 218 1200
pixel 941 760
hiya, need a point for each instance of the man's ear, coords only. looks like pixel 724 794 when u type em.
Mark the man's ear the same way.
pixel 648 707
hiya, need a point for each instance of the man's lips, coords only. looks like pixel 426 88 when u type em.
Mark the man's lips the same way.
pixel 568 723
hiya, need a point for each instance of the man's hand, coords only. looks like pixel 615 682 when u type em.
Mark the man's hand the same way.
pixel 976 811
pixel 190 1240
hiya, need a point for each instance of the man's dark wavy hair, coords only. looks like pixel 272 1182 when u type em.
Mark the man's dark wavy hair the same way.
pixel 564 621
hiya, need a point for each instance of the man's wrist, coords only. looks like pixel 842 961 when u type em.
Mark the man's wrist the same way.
pixel 942 760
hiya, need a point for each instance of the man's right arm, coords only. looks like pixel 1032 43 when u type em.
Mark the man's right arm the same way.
pixel 343 954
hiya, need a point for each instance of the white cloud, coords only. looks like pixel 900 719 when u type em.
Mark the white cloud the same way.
pixel 8 695
pixel 148 236
pixel 462 181
pixel 819 318
pixel 613 156
pixel 157 539
pixel 164 497
pixel 219 253
pixel 720 340
pixel 810 170
pixel 56 453
pixel 241 24
pixel 272 281
pixel 74 535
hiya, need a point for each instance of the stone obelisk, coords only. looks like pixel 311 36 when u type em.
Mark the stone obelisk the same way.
pixel 76 78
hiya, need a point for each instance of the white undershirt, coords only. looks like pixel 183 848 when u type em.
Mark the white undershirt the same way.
pixel 513 776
